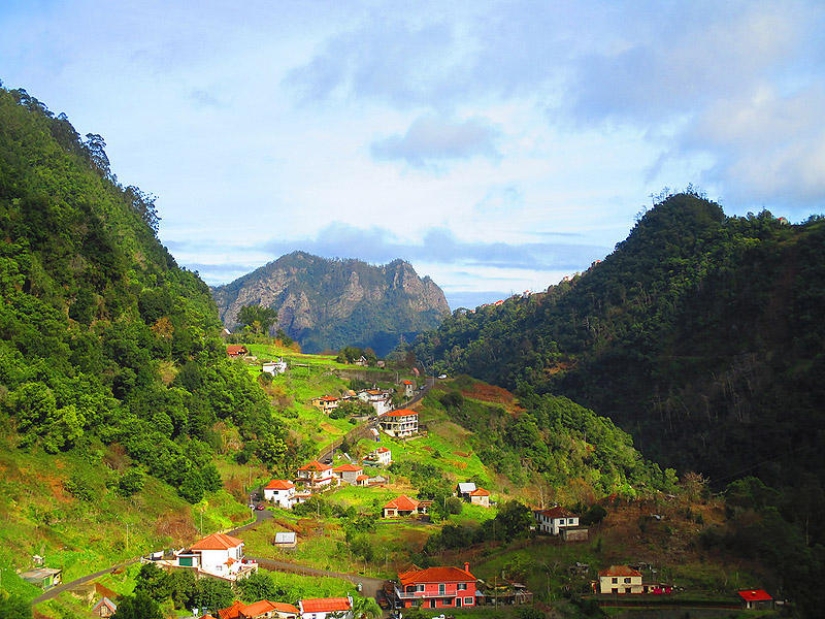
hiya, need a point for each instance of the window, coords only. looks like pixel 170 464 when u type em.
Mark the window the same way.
pixel 627 581
pixel 462 586
pixel 419 588
pixel 442 589
pixel 614 580
pixel 468 601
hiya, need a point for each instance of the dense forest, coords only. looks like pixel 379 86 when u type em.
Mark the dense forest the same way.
pixel 702 336
pixel 105 343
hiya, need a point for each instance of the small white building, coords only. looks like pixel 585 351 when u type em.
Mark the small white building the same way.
pixel 274 367
pixel 381 457
pixel 281 492
pixel 379 399
pixel 553 520
pixel 217 555
pixel 348 473
pixel 316 475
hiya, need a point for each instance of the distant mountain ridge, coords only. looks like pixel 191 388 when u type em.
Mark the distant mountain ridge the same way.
pixel 326 304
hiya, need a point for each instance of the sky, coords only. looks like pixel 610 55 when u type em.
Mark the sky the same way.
pixel 496 146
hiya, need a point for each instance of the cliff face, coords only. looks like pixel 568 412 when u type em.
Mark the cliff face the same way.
pixel 326 304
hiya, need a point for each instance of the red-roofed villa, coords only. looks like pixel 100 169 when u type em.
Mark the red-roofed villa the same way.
pixel 437 587
pixel 321 608
pixel 217 555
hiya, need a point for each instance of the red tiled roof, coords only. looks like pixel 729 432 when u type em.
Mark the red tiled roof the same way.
pixel 258 608
pixel 401 412
pixel 407 382
pixel 315 466
pixel 555 512
pixel 279 484
pixel 328 398
pixel 282 607
pixel 436 575
pixel 402 503
pixel 480 492
pixel 235 349
pixel 620 570
pixel 233 612
pixel 344 468
pixel 217 541
pixel 755 595
pixel 325 605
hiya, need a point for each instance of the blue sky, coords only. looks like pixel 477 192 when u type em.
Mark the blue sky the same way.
pixel 497 146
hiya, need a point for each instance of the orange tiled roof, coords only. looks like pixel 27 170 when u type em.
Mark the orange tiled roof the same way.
pixel 217 541
pixel 233 612
pixel 325 605
pixel 258 608
pixel 315 466
pixel 555 512
pixel 401 412
pixel 402 503
pixel 620 570
pixel 434 575
pixel 480 492
pixel 348 468
pixel 279 484
pixel 282 607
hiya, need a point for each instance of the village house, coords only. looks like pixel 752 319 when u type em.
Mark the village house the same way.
pixel 481 497
pixel 554 520
pixel 401 507
pixel 381 457
pixel 264 609
pixel 400 423
pixel 105 608
pixel 236 350
pixel 620 579
pixel 463 490
pixel 756 599
pixel 315 475
pixel 287 540
pixel 321 608
pixel 281 492
pixel 408 388
pixel 437 587
pixel 274 367
pixel 43 577
pixel 349 473
pixel 217 555
pixel 327 403
pixel 379 399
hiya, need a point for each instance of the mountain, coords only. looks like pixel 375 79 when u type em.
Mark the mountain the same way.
pixel 328 304
pixel 701 335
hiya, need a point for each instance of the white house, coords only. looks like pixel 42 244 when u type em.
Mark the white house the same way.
pixel 381 456
pixel 274 367
pixel 348 473
pixel 399 423
pixel 217 555
pixel 316 474
pixel 321 608
pixel 553 520
pixel 379 399
pixel 281 492
pixel 620 579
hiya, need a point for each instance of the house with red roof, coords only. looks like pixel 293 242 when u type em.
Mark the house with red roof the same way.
pixel 552 521
pixel 349 473
pixel 620 579
pixel 327 403
pixel 409 388
pixel 399 423
pixel 480 496
pixel 236 350
pixel 401 507
pixel 437 587
pixel 321 608
pixel 281 492
pixel 381 456
pixel 264 609
pixel 218 555
pixel 316 475
pixel 756 599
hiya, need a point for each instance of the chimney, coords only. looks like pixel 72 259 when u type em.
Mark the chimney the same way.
pixel 467 566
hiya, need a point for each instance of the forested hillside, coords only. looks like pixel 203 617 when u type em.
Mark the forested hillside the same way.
pixel 107 347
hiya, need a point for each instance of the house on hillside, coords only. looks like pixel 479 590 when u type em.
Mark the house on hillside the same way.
pixel 553 521
pixel 281 492
pixel 349 473
pixel 481 497
pixel 316 475
pixel 321 608
pixel 463 490
pixel 104 609
pixel 43 577
pixel 401 507
pixel 236 350
pixel 217 555
pixel 264 609
pixel 436 587
pixel 274 367
pixel 408 388
pixel 400 423
pixel 379 399
pixel 381 457
pixel 620 579
pixel 327 403
pixel 756 599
